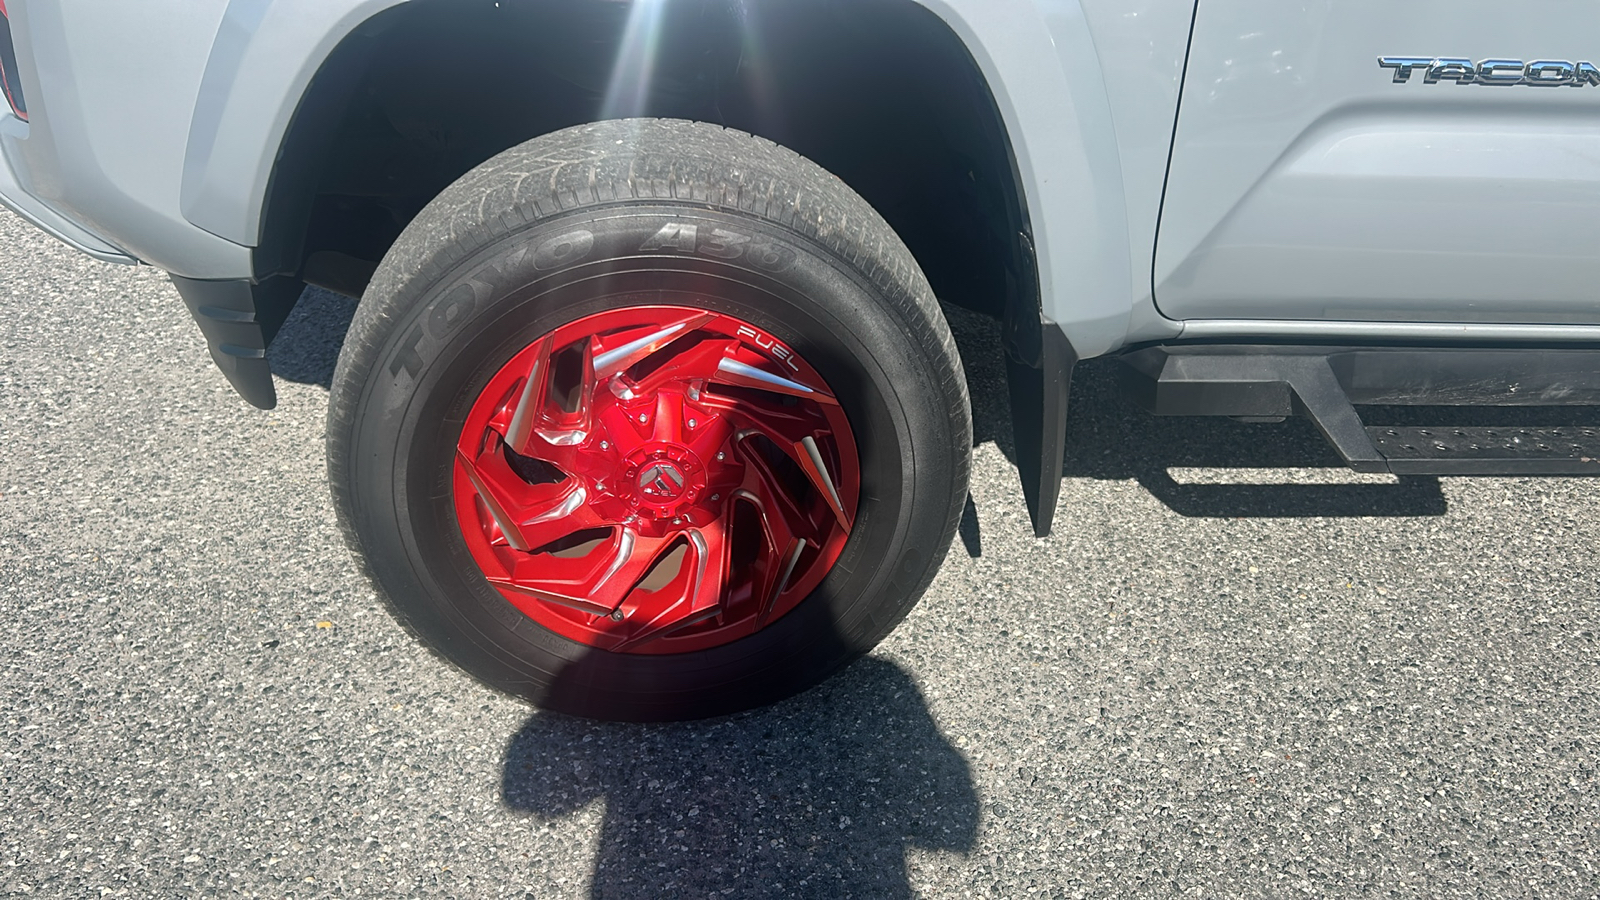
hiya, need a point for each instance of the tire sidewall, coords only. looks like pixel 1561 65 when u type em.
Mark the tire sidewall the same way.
pixel 457 328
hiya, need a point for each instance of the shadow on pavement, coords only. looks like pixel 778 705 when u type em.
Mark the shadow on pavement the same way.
pixel 967 528
pixel 307 346
pixel 817 796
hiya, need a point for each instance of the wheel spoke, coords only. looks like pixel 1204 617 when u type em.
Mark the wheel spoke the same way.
pixel 620 359
pixel 528 516
pixel 571 601
pixel 668 425
pixel 493 500
pixel 700 586
pixel 796 437
pixel 777 577
pixel 572 427
pixel 735 372
pixel 560 516
pixel 783 426
pixel 809 456
pixel 765 487
pixel 564 456
pixel 710 545
pixel 570 581
pixel 631 560
pixel 531 400
pixel 781 551
pixel 539 427
pixel 697 363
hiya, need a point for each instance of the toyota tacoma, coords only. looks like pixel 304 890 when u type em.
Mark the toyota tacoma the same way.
pixel 649 408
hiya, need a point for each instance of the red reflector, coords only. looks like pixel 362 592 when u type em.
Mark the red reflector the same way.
pixel 10 86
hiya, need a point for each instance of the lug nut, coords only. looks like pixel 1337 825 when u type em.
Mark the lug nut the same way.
pixel 616 615
pixel 720 454
pixel 693 424
pixel 604 445
pixel 716 497
pixel 643 418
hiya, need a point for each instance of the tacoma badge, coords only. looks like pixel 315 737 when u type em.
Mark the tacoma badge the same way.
pixel 1539 73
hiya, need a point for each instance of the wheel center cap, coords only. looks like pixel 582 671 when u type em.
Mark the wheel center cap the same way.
pixel 664 480
pixel 661 481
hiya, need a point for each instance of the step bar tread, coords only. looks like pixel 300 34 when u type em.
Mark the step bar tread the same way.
pixel 1325 384
pixel 1481 450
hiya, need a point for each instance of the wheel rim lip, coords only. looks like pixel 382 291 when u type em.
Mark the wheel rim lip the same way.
pixel 806 571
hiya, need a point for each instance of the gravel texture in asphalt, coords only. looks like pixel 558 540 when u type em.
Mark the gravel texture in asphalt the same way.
pixel 1236 669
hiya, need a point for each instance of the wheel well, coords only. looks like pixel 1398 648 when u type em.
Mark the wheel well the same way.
pixel 879 92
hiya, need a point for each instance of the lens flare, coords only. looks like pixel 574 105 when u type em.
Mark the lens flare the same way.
pixel 755 69
pixel 628 91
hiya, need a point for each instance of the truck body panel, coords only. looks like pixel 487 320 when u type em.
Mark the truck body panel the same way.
pixel 112 89
pixel 177 169
pixel 263 59
pixel 1307 184
pixel 1301 186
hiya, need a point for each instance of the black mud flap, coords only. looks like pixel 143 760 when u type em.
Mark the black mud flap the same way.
pixel 1039 384
pixel 239 320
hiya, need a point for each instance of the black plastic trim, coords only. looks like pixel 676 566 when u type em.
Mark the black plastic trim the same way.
pixel 239 320
pixel 1227 379
pixel 1039 419
pixel 1493 450
pixel 1325 384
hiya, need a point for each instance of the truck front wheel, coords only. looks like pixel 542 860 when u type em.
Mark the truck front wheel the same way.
pixel 649 420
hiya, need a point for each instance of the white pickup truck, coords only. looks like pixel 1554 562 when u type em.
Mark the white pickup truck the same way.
pixel 649 409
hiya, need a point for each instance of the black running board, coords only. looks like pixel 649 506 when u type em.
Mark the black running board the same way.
pixel 1325 384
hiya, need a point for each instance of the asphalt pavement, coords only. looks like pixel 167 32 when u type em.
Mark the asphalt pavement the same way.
pixel 1235 670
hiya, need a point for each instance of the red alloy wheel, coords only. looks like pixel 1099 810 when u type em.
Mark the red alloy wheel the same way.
pixel 656 479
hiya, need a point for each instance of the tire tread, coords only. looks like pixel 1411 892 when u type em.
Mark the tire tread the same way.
pixel 630 162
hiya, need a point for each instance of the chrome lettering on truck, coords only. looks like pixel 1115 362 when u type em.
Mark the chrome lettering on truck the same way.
pixel 1506 72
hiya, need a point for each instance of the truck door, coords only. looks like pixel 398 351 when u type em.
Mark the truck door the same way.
pixel 1372 160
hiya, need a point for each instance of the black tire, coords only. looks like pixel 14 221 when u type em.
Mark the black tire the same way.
pixel 483 270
